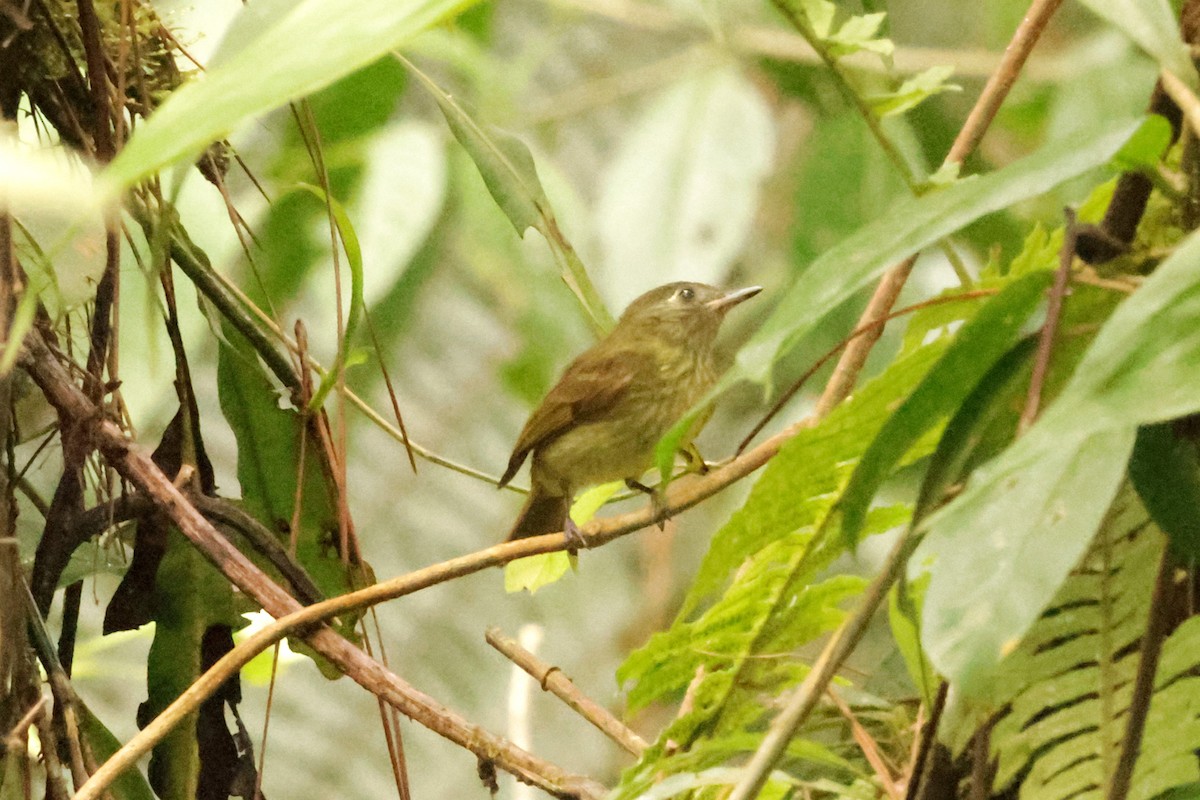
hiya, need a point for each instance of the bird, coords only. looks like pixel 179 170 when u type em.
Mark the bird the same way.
pixel 603 418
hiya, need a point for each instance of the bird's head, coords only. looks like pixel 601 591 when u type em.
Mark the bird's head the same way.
pixel 683 311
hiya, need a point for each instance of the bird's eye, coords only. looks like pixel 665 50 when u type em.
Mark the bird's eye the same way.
pixel 686 294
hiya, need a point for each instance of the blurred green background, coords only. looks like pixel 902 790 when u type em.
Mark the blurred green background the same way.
pixel 676 140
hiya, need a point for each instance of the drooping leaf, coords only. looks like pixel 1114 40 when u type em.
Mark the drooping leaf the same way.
pixel 508 171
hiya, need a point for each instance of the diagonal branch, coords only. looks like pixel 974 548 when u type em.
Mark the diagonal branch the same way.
pixel 136 466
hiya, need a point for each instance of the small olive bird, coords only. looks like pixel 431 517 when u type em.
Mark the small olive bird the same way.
pixel 604 417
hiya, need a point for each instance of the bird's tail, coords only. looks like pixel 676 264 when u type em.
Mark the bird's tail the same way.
pixel 543 513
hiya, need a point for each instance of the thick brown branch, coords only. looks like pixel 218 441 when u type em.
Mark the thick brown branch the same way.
pixel 137 467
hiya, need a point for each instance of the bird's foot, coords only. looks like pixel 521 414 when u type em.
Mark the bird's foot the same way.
pixel 574 536
pixel 658 502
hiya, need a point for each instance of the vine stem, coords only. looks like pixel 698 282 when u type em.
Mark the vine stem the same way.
pixel 788 721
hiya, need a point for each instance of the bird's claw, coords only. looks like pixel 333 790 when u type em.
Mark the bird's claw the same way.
pixel 573 535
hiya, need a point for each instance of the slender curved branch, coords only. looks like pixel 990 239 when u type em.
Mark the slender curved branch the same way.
pixel 682 494
pixel 138 468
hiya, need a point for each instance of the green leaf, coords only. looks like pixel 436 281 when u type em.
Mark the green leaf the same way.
pixel 1001 549
pixel 1165 470
pixel 1153 27
pixel 354 260
pixel 534 572
pixel 508 171
pixel 904 618
pixel 977 346
pixel 1145 148
pixel 309 47
pixel 130 785
pixel 914 91
pixel 801 483
pixel 910 226
pixel 269 466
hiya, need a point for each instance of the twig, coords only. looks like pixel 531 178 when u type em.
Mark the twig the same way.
pixel 138 468
pixel 1143 685
pixel 1041 362
pixel 873 327
pixel 969 136
pixel 868 746
pixel 925 752
pixel 13 739
pixel 554 681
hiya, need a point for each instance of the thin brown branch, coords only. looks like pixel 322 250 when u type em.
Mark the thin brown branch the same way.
pixel 1041 363
pixel 978 120
pixel 137 467
pixel 552 680
pixel 868 746
pixel 681 495
pixel 923 760
pixel 15 737
pixel 1183 96
pixel 874 327
pixel 1143 684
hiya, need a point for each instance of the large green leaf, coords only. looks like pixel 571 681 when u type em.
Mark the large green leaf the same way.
pixel 1151 25
pixel 982 341
pixel 1000 550
pixel 293 55
pixel 911 226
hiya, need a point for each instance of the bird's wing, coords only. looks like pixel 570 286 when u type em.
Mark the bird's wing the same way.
pixel 588 389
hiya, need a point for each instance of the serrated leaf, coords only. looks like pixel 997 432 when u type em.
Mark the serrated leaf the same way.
pixel 1004 546
pixel 978 345
pixel 800 483
pixel 310 47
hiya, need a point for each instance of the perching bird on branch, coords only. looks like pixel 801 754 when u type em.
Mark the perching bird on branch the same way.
pixel 604 417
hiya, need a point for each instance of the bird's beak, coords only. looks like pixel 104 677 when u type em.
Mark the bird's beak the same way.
pixel 732 298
